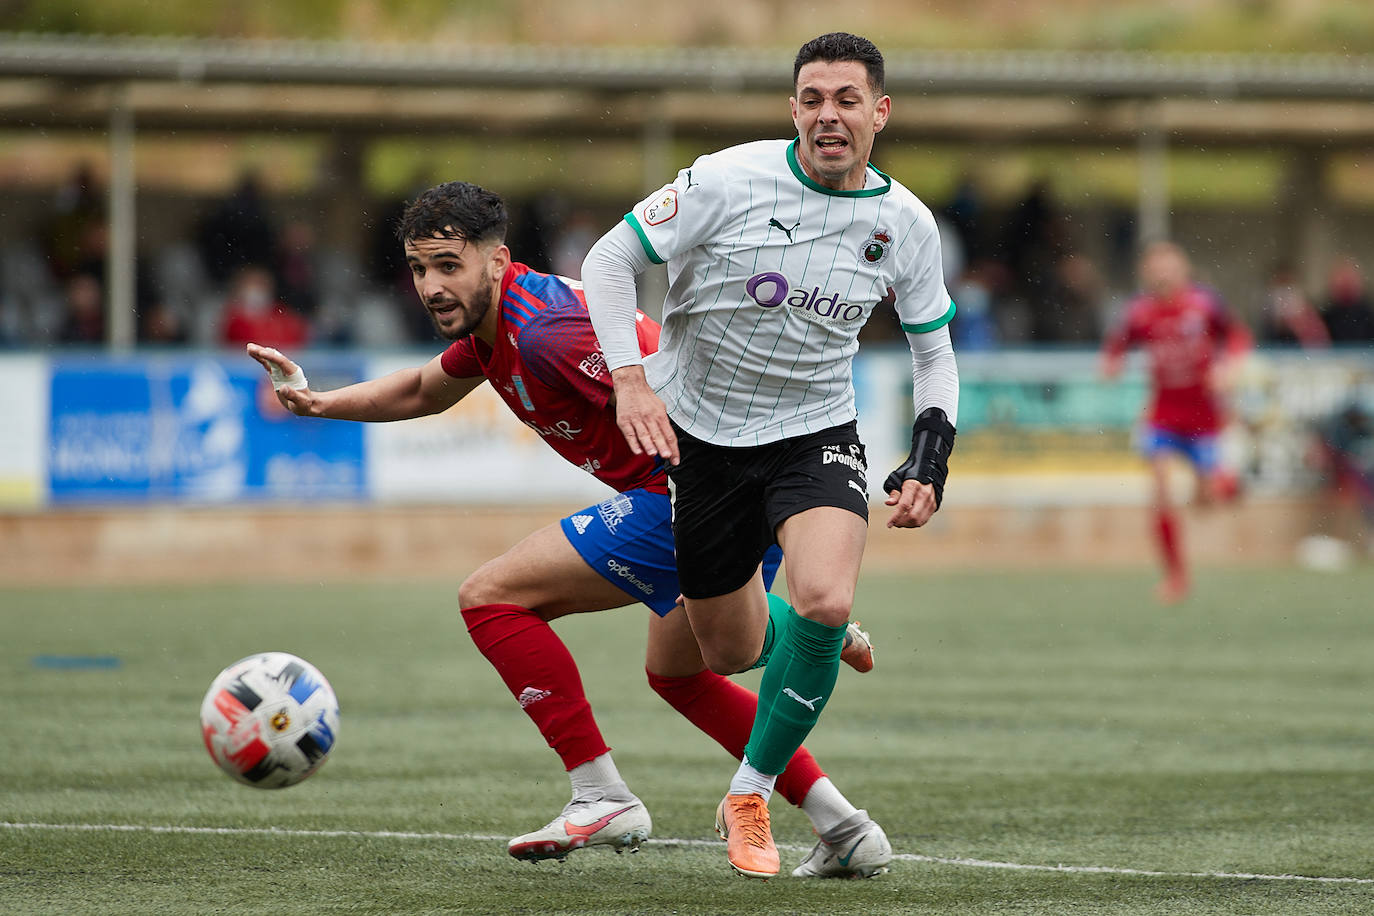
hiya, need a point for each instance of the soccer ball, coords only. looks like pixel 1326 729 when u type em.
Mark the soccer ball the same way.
pixel 270 720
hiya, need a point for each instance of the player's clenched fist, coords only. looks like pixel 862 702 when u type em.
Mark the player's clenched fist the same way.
pixel 914 504
pixel 288 381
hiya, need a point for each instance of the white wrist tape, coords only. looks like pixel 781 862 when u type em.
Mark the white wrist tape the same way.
pixel 295 380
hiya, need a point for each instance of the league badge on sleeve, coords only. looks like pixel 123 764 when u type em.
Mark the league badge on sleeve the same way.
pixel 876 247
pixel 662 208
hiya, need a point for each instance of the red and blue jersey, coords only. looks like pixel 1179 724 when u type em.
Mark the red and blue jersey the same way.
pixel 1183 336
pixel 548 367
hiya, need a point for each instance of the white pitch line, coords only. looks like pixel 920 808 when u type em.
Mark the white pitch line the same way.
pixel 905 857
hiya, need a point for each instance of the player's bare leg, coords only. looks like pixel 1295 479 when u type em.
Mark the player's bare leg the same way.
pixel 545 574
pixel 506 604
pixel 1168 533
pixel 729 628
pixel 824 547
pixel 828 545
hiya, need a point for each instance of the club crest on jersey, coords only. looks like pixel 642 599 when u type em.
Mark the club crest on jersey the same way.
pixel 876 247
pixel 662 208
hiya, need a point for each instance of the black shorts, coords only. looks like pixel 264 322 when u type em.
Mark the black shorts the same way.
pixel 728 502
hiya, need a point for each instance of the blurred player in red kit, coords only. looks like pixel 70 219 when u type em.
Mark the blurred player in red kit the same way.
pixel 529 334
pixel 1193 344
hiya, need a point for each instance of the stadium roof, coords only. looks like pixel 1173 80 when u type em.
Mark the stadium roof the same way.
pixel 182 83
pixel 131 86
pixel 1100 74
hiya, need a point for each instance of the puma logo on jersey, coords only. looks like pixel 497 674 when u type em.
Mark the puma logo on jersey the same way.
pixel 774 224
pixel 809 704
pixel 856 486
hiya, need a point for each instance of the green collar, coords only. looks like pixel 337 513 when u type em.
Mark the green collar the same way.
pixel 806 179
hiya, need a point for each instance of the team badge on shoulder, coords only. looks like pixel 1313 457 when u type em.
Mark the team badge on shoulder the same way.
pixel 876 247
pixel 662 208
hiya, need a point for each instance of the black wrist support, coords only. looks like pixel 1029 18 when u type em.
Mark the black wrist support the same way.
pixel 932 439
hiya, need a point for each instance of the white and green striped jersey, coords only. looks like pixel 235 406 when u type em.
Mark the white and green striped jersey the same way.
pixel 771 276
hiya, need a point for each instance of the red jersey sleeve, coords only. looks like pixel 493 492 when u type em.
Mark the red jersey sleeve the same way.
pixel 460 360
pixel 1126 333
pixel 1232 335
pixel 648 330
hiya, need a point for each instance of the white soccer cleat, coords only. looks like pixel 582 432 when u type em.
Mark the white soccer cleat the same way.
pixel 858 648
pixel 860 851
pixel 618 824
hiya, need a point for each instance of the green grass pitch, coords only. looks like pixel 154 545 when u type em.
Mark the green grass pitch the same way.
pixel 1014 720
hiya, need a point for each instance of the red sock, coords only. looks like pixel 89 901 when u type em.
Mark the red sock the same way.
pixel 725 711
pixel 541 675
pixel 1167 533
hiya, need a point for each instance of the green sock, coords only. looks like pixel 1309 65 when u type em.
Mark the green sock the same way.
pixel 777 624
pixel 795 687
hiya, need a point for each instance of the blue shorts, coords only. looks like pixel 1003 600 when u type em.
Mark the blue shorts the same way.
pixel 628 539
pixel 1201 449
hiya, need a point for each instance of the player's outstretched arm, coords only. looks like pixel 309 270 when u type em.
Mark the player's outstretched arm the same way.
pixel 402 395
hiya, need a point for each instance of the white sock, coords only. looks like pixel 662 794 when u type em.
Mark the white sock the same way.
pixel 749 781
pixel 599 780
pixel 825 806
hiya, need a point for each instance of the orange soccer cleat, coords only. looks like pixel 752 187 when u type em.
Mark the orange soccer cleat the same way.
pixel 858 648
pixel 742 821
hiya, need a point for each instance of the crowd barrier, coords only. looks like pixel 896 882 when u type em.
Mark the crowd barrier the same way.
pixel 203 429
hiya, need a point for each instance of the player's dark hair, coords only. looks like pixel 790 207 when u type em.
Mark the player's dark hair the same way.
pixel 841 46
pixel 455 210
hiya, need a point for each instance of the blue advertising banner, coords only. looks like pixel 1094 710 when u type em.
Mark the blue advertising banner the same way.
pixel 194 429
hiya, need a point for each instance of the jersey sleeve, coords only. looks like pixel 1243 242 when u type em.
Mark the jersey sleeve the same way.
pixel 679 216
pixel 1232 335
pixel 1126 332
pixel 560 349
pixel 460 360
pixel 647 331
pixel 923 302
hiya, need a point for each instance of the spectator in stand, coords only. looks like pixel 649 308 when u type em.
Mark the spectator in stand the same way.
pixel 1348 314
pixel 159 323
pixel 964 214
pixel 83 304
pixel 1031 247
pixel 1289 319
pixel 294 267
pixel 254 314
pixel 975 326
pixel 387 267
pixel 1072 312
pixel 74 239
pixel 237 232
pixel 573 240
pixel 537 226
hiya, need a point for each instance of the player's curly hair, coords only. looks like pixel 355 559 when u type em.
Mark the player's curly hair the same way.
pixel 840 46
pixel 455 210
